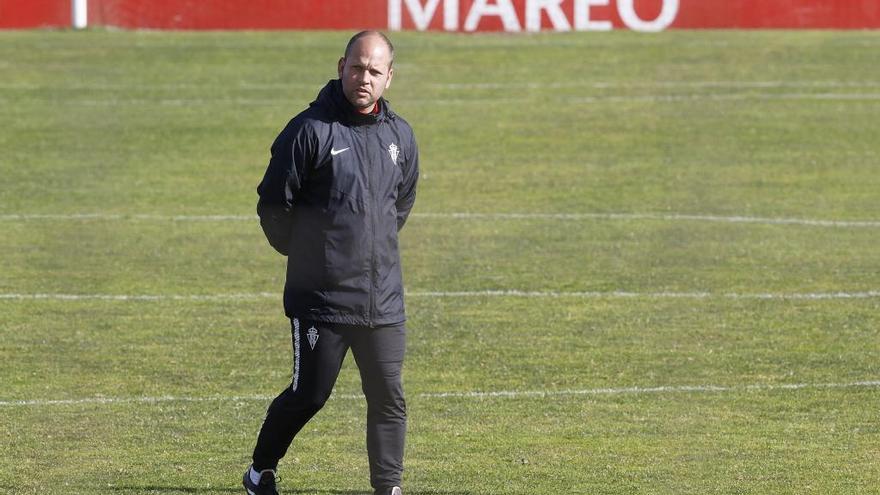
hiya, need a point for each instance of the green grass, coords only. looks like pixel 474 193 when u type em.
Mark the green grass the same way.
pixel 758 124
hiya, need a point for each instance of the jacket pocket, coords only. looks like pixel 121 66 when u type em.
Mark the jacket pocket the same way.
pixel 347 243
pixel 276 223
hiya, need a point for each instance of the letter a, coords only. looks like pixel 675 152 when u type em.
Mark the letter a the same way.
pixel 503 9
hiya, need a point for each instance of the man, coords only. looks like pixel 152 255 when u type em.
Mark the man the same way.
pixel 338 188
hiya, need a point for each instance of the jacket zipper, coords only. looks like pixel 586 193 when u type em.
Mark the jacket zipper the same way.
pixel 369 131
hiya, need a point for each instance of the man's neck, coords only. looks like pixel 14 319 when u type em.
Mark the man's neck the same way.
pixel 373 111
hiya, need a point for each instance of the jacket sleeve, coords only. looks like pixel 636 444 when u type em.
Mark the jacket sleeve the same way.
pixel 406 194
pixel 293 155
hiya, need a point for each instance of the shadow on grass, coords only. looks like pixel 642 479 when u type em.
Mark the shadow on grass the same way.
pixel 171 489
pixel 186 489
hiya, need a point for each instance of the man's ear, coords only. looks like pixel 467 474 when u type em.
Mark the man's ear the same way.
pixel 390 76
pixel 340 66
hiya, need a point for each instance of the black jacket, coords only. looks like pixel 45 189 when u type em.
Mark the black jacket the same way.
pixel 338 188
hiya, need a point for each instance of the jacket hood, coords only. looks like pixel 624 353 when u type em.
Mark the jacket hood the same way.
pixel 332 99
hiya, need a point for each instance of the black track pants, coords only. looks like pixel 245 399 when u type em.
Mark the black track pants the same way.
pixel 318 351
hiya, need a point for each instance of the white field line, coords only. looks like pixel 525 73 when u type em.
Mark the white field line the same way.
pixel 655 216
pixel 140 297
pixel 113 216
pixel 726 97
pixel 671 217
pixel 678 98
pixel 659 84
pixel 771 296
pixel 795 296
pixel 176 86
pixel 501 394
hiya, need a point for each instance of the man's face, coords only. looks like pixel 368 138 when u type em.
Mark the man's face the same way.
pixel 366 72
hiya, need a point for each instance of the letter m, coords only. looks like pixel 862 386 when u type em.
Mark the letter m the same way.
pixel 422 14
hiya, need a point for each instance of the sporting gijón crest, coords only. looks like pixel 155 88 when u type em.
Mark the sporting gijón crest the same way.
pixel 312 335
pixel 394 151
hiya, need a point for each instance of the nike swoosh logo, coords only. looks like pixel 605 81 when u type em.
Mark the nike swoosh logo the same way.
pixel 335 152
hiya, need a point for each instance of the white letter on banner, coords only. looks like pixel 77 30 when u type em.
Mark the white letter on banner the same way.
pixel 628 14
pixel 503 9
pixel 582 21
pixel 554 10
pixel 422 15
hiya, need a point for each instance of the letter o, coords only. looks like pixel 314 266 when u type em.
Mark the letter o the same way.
pixel 627 12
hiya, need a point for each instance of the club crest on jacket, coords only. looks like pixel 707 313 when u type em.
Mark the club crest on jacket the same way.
pixel 394 151
pixel 313 337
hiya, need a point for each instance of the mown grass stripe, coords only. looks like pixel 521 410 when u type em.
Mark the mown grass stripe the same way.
pixel 501 394
pixel 584 99
pixel 105 86
pixel 780 296
pixel 669 217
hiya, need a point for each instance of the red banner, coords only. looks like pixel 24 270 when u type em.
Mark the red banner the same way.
pixel 239 14
pixel 452 15
pixel 18 14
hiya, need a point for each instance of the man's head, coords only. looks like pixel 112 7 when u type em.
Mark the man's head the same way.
pixel 366 70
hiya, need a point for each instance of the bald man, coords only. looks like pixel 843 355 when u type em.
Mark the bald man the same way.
pixel 339 187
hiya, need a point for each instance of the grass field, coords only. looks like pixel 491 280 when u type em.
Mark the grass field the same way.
pixel 637 263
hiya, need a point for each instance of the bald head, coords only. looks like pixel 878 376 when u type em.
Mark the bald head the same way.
pixel 365 70
pixel 375 34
